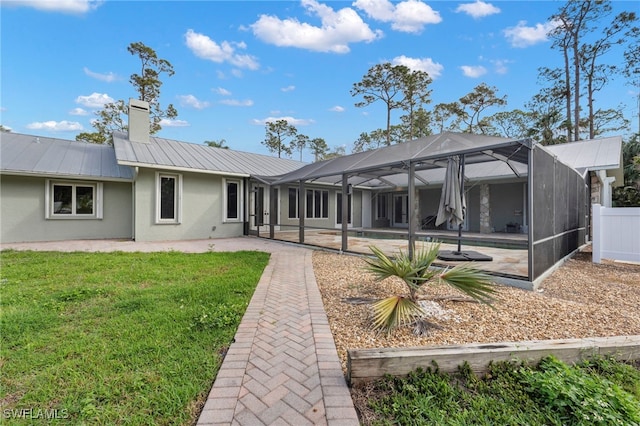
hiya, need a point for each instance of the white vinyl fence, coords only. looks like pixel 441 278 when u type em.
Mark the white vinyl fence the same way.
pixel 616 233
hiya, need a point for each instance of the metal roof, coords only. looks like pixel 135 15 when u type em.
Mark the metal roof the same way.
pixel 42 156
pixel 386 166
pixel 592 155
pixel 175 155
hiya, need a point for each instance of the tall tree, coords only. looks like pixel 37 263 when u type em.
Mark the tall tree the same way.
pixel 546 108
pixel 279 135
pixel 471 106
pixel 147 84
pixel 575 18
pixel 419 122
pixel 383 82
pixel 595 74
pixel 514 124
pixel 319 148
pixel 415 87
pixel 217 144
pixel 300 142
pixel 445 117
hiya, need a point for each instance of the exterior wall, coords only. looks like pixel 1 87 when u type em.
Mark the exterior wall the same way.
pixel 507 205
pixel 331 221
pixel 22 213
pixel 201 210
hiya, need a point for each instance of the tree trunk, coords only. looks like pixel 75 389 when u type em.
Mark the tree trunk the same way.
pixel 567 95
pixel 576 91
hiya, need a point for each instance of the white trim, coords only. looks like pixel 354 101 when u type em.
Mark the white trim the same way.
pixel 49 203
pixel 182 169
pixel 177 209
pixel 66 177
pixel 240 206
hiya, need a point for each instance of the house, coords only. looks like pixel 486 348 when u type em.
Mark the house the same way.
pixel 142 188
pixel 148 188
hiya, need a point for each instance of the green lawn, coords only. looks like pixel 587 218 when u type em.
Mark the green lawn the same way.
pixel 117 338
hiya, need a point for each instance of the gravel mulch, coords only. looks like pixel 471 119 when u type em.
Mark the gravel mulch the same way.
pixel 580 299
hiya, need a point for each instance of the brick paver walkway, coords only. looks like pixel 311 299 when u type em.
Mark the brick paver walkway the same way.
pixel 283 368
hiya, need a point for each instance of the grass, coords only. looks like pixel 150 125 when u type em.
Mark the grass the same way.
pixel 117 338
pixel 601 391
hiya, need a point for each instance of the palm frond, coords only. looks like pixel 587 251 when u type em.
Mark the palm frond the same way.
pixel 471 282
pixel 394 311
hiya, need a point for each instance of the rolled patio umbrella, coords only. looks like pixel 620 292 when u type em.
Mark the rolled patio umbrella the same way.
pixel 453 208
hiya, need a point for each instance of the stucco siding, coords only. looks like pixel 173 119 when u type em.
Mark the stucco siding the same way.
pixel 201 210
pixel 22 213
pixel 507 205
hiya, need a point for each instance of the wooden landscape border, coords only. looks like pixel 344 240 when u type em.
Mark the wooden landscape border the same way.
pixel 371 364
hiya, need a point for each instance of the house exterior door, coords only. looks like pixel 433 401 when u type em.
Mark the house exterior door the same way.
pixel 259 205
pixel 401 210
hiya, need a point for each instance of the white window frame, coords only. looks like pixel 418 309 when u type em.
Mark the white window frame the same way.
pixel 177 196
pixel 49 199
pixel 225 200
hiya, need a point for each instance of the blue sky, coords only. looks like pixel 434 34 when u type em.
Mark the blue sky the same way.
pixel 239 64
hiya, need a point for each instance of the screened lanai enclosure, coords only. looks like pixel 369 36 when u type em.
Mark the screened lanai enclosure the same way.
pixel 524 210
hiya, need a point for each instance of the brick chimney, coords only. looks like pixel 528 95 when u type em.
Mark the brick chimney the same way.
pixel 138 121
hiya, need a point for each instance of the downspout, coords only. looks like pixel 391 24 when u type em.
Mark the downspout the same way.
pixel 607 183
pixel 136 170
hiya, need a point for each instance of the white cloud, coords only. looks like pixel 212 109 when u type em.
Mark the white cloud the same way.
pixel 64 6
pixel 337 108
pixel 108 77
pixel 291 120
pixel 337 29
pixel 522 36
pixel 203 47
pixel 221 91
pixel 235 102
pixel 408 16
pixel 478 9
pixel 473 71
pixel 192 101
pixel 94 100
pixel 501 65
pixel 78 111
pixel 55 126
pixel 173 123
pixel 288 89
pixel 427 65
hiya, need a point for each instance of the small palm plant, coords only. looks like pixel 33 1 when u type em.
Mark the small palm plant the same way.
pixel 399 310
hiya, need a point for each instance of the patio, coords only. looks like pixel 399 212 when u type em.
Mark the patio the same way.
pixel 509 251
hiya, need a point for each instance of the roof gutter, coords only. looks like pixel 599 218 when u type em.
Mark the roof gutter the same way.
pixel 181 169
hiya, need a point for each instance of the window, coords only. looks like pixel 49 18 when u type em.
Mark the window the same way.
pixel 232 200
pixel 168 198
pixel 293 203
pixel 317 204
pixel 339 208
pixel 381 206
pixel 73 200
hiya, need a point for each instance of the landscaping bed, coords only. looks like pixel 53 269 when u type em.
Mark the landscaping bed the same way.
pixel 580 299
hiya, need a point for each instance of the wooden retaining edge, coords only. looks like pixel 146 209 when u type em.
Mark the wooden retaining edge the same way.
pixel 369 364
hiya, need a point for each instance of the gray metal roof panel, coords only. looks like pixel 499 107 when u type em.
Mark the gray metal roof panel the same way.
pixel 594 154
pixel 383 161
pixel 38 155
pixel 160 152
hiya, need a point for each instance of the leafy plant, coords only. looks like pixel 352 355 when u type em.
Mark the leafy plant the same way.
pixel 579 397
pixel 415 272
